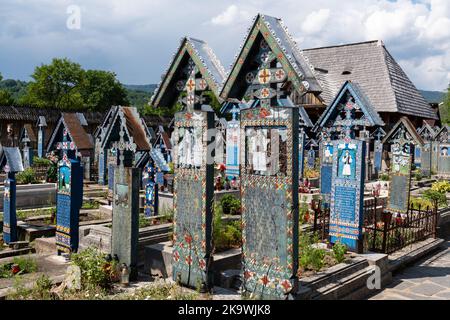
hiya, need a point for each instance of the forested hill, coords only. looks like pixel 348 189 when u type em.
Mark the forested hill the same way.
pixel 138 95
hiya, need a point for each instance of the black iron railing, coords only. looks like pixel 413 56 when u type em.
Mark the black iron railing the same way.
pixel 384 232
pixel 390 232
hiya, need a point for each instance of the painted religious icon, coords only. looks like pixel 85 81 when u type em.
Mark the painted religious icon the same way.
pixel 64 180
pixel 444 151
pixel 190 147
pixel 311 158
pixel 346 162
pixel 328 153
pixel 121 196
pixel 6 192
pixel 266 151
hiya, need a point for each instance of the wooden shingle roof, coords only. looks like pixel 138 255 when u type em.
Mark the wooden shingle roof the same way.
pixel 377 73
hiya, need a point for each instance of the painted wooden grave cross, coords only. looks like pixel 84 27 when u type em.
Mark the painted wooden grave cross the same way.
pixel 42 123
pixel 326 164
pixel 12 161
pixel 151 190
pixel 378 135
pixel 400 171
pixel 125 225
pixel 69 198
pixel 232 144
pixel 193 198
pixel 347 190
pixel 27 154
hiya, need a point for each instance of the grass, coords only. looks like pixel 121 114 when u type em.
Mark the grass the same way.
pixel 25 214
pixel 26 265
pixel 91 205
pixel 160 291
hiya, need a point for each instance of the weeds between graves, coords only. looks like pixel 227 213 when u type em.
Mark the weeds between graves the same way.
pixel 166 217
pixel 19 266
pixel 160 291
pixel 313 259
pixel 27 176
pixel 98 275
pixel 96 271
pixel 24 214
pixel 91 205
pixel 40 290
pixel 226 234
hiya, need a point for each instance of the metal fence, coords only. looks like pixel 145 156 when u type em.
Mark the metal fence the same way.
pixel 389 232
pixel 384 232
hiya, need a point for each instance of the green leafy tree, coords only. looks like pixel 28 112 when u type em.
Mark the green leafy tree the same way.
pixel 445 108
pixel 56 85
pixel 65 85
pixel 101 89
pixel 5 96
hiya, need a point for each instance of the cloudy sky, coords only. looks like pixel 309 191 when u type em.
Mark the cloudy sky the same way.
pixel 136 38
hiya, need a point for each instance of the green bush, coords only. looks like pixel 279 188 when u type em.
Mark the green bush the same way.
pixel 41 161
pixel 40 290
pixel 436 197
pixel 339 251
pixel 27 176
pixel 422 203
pixel 303 213
pixel 441 186
pixel 384 177
pixel 96 272
pixel 52 172
pixel 226 235
pixel 418 175
pixel 230 205
pixel 311 258
pixel 26 265
pixel 91 205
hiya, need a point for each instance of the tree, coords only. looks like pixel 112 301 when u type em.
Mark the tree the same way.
pixel 101 90
pixel 5 97
pixel 65 85
pixel 444 110
pixel 56 85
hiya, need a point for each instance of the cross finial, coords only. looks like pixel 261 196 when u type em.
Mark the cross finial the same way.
pixel 65 145
pixel 191 86
pixel 123 146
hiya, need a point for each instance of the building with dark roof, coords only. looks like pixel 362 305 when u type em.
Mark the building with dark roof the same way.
pixel 378 75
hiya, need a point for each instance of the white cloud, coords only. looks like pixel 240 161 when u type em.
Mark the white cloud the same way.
pixel 230 16
pixel 136 38
pixel 315 21
pixel 226 17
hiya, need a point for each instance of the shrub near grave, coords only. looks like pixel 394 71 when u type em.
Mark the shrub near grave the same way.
pixel 19 266
pixel 226 235
pixel 40 290
pixel 96 271
pixel 313 259
pixel 230 205
pixel 26 177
